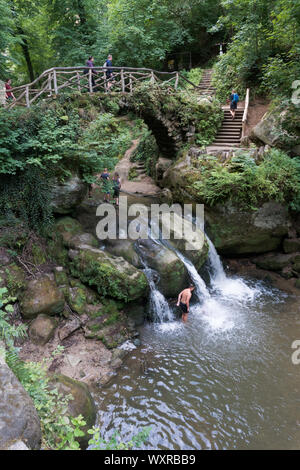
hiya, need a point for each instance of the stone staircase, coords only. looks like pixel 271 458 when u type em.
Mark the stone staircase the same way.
pixel 205 87
pixel 229 135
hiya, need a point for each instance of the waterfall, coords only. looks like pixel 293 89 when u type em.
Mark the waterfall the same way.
pixel 158 303
pixel 200 287
pixel 216 270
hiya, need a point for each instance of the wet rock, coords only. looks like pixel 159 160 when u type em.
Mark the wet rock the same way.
pixel 173 275
pixel 82 404
pixel 110 275
pixel 137 313
pixel 42 329
pixel 187 238
pixel 161 166
pixel 65 196
pixel 19 420
pixel 41 296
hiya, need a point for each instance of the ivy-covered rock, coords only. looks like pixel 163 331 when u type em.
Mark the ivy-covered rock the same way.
pixel 41 296
pixel 111 276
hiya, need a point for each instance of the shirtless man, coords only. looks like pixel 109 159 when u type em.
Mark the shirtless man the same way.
pixel 184 301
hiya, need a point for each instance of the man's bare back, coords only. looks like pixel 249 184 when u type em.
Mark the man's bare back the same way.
pixel 184 301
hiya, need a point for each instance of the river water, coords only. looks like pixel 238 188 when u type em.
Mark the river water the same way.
pixel 223 380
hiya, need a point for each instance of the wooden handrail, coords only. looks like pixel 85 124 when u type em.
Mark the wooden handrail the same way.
pixel 54 79
pixel 245 116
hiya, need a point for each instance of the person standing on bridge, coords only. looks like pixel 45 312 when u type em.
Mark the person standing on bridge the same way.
pixel 109 71
pixel 234 99
pixel 9 94
pixel 90 65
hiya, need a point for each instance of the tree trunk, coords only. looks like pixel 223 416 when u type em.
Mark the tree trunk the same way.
pixel 25 50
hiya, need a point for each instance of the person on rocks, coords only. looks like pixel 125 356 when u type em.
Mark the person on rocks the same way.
pixel 184 301
pixel 234 99
pixel 9 94
pixel 105 177
pixel 117 187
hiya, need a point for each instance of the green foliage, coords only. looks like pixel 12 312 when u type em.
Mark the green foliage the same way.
pixel 147 152
pixel 247 183
pixel 115 443
pixel 9 332
pixel 264 52
pixel 193 75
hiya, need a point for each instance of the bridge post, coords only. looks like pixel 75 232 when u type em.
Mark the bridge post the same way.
pixel 55 82
pixel 27 96
pixel 176 81
pixel 130 83
pixel 50 84
pixel 90 80
pixel 122 81
pixel 152 79
pixel 78 82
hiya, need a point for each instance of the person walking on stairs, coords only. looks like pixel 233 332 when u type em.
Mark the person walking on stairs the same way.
pixel 234 99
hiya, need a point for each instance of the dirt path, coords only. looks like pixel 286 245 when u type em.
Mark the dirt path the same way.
pixel 143 185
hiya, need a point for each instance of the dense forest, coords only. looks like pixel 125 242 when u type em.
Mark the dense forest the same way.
pixel 261 38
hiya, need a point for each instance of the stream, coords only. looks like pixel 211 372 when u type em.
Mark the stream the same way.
pixel 223 380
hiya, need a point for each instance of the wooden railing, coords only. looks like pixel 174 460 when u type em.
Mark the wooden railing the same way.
pixel 83 79
pixel 246 110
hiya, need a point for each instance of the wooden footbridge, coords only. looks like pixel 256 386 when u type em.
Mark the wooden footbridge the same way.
pixel 82 79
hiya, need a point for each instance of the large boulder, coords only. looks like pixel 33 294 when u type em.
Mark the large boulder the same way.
pixel 234 231
pixel 124 248
pixel 41 296
pixel 19 421
pixel 279 128
pixel 73 234
pixel 82 403
pixel 186 237
pixel 42 329
pixel 112 276
pixel 66 195
pixel 173 276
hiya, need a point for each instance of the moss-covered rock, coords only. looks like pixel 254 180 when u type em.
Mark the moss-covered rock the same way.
pixel 274 261
pixel 82 403
pixel 15 279
pixel 110 275
pixel 41 296
pixel 124 248
pixel 236 231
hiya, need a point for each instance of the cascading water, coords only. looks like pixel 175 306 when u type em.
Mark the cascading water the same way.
pixel 158 303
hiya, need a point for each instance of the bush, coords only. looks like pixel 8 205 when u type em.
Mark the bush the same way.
pixel 246 183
